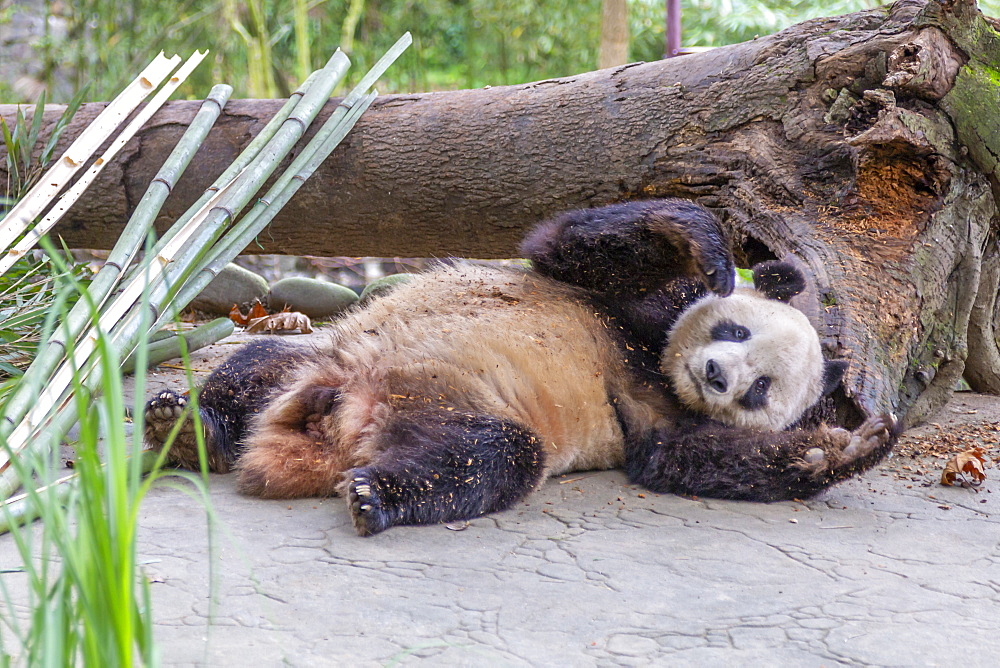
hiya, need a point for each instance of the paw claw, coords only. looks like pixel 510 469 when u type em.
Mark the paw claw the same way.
pixel 370 517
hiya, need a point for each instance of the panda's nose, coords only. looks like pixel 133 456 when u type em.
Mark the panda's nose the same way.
pixel 714 377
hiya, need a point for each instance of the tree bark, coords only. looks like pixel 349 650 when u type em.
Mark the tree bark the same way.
pixel 864 146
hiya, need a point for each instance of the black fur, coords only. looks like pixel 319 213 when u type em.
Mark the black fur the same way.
pixel 710 459
pixel 240 388
pixel 633 248
pixel 755 398
pixel 833 373
pixel 437 466
pixel 778 280
pixel 730 331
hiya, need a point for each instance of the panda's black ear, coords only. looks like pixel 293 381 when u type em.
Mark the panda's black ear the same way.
pixel 778 280
pixel 833 373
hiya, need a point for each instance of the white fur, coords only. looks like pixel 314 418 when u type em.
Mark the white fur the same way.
pixel 783 346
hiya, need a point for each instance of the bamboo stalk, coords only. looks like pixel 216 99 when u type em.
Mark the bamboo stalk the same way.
pixel 238 165
pixel 24 212
pixel 69 198
pixel 170 347
pixel 332 133
pixel 159 276
pixel 204 227
pixel 55 395
pixel 53 350
pixel 23 508
pixel 263 213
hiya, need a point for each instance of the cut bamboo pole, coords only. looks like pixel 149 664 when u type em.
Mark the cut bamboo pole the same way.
pixel 55 396
pixel 55 179
pixel 23 508
pixel 52 351
pixel 312 156
pixel 238 165
pixel 154 280
pixel 268 206
pixel 64 203
pixel 171 347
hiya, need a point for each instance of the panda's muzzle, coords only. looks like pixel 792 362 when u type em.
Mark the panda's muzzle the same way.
pixel 715 378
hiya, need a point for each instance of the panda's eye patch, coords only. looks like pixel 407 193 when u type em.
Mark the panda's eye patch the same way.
pixel 756 397
pixel 727 330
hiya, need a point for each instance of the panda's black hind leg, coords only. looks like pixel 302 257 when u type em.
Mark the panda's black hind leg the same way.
pixel 444 467
pixel 162 415
pixel 237 389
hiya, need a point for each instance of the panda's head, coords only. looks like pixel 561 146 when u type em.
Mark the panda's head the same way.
pixel 750 359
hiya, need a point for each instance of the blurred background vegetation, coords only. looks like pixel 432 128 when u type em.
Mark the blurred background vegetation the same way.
pixel 265 47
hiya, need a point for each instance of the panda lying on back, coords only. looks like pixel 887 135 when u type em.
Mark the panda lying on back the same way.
pixel 459 392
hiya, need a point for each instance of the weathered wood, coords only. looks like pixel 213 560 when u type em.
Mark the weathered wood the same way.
pixel 865 146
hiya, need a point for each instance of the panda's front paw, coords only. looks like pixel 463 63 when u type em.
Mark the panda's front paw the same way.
pixel 365 503
pixel 867 439
pixel 718 272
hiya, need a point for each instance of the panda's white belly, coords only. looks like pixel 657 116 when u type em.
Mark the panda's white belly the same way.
pixel 496 342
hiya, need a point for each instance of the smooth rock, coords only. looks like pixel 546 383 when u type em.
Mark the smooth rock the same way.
pixel 233 285
pixel 315 298
pixel 381 286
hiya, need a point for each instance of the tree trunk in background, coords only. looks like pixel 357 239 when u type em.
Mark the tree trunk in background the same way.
pixel 865 147
pixel 614 34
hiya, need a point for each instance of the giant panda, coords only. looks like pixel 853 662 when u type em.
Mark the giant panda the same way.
pixel 626 344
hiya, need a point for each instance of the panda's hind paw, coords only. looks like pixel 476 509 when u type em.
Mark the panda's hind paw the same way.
pixel 365 503
pixel 871 436
pixel 847 452
pixel 162 413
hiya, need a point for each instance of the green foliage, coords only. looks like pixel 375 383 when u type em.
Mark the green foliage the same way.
pixel 21 161
pixel 28 291
pixel 79 597
pixel 262 47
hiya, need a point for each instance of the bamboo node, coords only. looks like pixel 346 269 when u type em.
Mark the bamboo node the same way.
pixel 69 161
pixel 227 211
pixel 299 121
pixel 160 179
pixel 145 83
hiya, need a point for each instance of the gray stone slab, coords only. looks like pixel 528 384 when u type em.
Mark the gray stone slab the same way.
pixel 589 571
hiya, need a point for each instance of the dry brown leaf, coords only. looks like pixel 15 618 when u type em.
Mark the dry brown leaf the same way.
pixel 286 321
pixel 236 315
pixel 257 310
pixel 971 462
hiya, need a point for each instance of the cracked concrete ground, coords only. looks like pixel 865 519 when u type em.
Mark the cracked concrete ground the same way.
pixel 885 570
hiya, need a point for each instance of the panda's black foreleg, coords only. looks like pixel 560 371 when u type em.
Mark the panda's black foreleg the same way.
pixel 633 248
pixel 237 389
pixel 444 467
pixel 724 462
